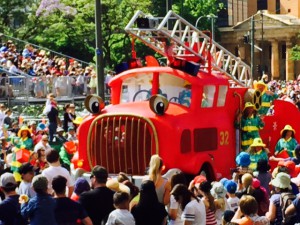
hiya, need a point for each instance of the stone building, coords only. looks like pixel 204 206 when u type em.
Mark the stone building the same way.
pixel 276 23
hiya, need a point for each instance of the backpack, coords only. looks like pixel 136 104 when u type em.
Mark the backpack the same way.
pixel 286 199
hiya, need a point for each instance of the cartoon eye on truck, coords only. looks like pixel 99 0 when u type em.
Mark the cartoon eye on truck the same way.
pixel 185 112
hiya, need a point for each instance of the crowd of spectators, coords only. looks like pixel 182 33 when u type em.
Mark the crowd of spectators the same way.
pixel 46 73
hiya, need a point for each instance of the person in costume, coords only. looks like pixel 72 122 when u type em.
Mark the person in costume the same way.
pixel 267 97
pixel 287 142
pixel 23 141
pixel 250 125
pixel 257 151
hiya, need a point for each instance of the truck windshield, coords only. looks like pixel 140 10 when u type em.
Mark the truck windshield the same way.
pixel 139 88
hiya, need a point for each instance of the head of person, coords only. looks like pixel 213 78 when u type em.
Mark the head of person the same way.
pixel 99 175
pixel 59 184
pixel 155 167
pixel 148 194
pixel 287 132
pixel 248 109
pixel 32 124
pixel 81 185
pixel 60 131
pixel 24 132
pixel 71 130
pixel 40 184
pixel 122 177
pixel 248 205
pixel 281 182
pixel 182 195
pixel 261 86
pixel 256 146
pixel 44 139
pixel 243 159
pixel 8 183
pixel 178 178
pixel 263 166
pixel 52 156
pixel 27 172
pixel 247 180
pixel 66 107
pixel 227 216
pixel 121 200
pixel 230 186
pixel 8 112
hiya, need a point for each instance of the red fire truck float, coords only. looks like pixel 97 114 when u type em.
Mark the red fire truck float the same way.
pixel 185 112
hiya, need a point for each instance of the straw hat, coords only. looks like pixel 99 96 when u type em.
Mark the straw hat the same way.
pixel 114 185
pixel 282 180
pixel 257 142
pixel 260 83
pixel 287 127
pixel 22 129
pixel 248 105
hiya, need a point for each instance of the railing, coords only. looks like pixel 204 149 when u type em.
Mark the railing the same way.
pixel 23 86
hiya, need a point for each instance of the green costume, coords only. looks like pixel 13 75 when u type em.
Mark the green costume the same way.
pixel 250 129
pixel 266 103
pixel 262 154
pixel 289 144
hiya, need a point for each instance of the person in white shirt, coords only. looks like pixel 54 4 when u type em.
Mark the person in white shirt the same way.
pixel 193 209
pixel 232 200
pixel 56 169
pixel 121 214
pixel 27 173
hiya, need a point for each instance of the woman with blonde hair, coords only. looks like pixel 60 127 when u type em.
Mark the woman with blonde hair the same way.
pixel 162 185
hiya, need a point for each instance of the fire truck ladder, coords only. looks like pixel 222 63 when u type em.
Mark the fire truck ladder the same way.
pixel 187 41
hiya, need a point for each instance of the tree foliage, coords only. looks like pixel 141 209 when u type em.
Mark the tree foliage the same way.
pixel 68 26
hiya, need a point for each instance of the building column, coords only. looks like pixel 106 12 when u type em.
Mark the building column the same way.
pixel 275 60
pixel 289 64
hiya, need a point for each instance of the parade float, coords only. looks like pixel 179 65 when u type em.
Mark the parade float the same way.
pixel 185 111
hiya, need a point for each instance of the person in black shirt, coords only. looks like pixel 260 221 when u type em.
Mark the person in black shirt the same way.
pixel 67 211
pixel 53 119
pixel 98 202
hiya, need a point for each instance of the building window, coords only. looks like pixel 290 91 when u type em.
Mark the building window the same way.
pixel 277 6
pixel 185 141
pixel 205 139
pixel 283 51
pixel 262 4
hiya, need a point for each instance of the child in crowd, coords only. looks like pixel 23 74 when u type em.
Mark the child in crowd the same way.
pixel 219 193
pixel 232 200
pixel 247 212
pixel 227 217
pixel 121 214
pixel 243 162
pixel 27 173
pixel 81 185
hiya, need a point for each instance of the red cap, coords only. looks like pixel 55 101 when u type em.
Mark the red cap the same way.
pixel 199 179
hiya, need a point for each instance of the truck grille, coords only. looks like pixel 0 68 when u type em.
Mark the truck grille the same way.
pixel 122 143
